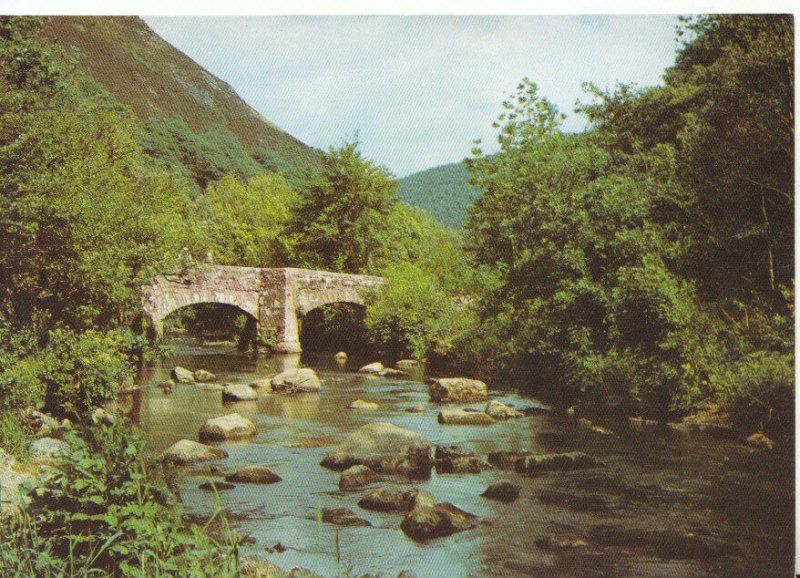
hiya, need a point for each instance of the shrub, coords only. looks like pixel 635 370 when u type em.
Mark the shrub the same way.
pixel 105 511
pixel 82 370
pixel 758 392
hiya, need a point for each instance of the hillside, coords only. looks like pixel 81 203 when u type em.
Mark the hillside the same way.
pixel 192 120
pixel 443 191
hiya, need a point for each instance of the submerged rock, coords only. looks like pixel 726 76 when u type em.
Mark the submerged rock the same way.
pixel 229 427
pixel 185 452
pixel 389 498
pixel 457 390
pixel 464 417
pixel 253 475
pixel 543 462
pixel 428 519
pixel 357 477
pixel 216 486
pixel 457 460
pixel 502 491
pixel 560 543
pixel 203 376
pixel 760 441
pixel 361 404
pixel 303 380
pixel 182 375
pixel 374 368
pixel 238 392
pixel 498 410
pixel 342 517
pixel 262 384
pixel 384 448
pixel 168 386
pixel 416 409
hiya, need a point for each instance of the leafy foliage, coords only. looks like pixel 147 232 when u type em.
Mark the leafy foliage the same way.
pixel 105 511
pixel 648 258
pixel 343 220
pixel 243 223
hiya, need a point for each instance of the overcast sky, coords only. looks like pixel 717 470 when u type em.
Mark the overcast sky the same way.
pixel 418 89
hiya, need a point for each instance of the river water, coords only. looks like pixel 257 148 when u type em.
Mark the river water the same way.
pixel 665 504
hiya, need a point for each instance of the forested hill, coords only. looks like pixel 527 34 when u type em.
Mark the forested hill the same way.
pixel 443 191
pixel 193 120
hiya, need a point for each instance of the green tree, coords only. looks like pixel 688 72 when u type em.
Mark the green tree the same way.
pixel 243 223
pixel 343 220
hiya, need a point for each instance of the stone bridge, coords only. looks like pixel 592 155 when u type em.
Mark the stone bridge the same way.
pixel 275 298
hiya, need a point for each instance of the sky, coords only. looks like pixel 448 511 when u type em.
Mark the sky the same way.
pixel 418 89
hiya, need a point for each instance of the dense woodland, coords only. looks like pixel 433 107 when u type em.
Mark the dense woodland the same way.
pixel 646 262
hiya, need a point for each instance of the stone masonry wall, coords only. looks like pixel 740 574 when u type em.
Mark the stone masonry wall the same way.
pixel 274 297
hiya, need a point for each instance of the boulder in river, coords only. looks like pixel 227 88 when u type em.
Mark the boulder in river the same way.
pixel 357 477
pixel 506 460
pixel 760 441
pixel 502 491
pixel 499 410
pixel 238 392
pixel 406 364
pixel 341 357
pixel 182 375
pixel 464 417
pixel 228 427
pixel 374 368
pixel 543 462
pixel 390 498
pixel 389 372
pixel 456 460
pixel 342 517
pixel 303 380
pixel 361 404
pixel 203 376
pixel 385 448
pixel 253 475
pixel 416 409
pixel 185 452
pixel 429 519
pixel 457 390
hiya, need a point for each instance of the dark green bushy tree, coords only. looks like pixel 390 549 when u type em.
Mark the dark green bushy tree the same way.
pixel 343 220
pixel 642 257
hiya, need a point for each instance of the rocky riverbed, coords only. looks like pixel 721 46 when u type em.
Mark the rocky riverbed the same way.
pixel 611 500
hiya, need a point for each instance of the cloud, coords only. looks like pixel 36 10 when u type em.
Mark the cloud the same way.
pixel 419 89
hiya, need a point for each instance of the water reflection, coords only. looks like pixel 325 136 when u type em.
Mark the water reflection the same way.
pixel 664 505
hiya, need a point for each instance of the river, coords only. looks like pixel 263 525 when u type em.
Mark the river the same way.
pixel 665 504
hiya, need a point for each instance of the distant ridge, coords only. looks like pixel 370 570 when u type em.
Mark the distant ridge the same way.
pixel 444 191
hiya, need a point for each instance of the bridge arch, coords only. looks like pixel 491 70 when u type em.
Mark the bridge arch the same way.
pixel 274 297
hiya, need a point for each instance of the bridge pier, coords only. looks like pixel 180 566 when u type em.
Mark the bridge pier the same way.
pixel 276 311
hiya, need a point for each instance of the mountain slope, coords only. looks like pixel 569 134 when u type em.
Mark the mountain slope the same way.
pixel 443 191
pixel 193 120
